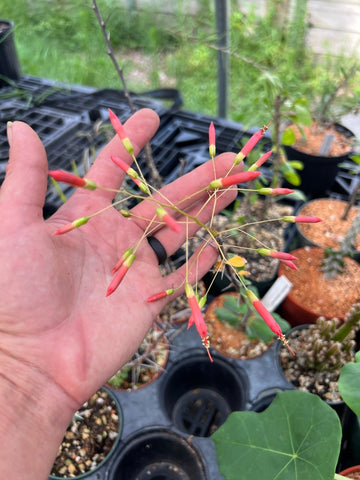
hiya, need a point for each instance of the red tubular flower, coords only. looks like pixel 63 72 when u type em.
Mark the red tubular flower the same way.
pixel 71 179
pixel 274 191
pixel 268 318
pixel 197 317
pixel 241 177
pixel 160 295
pixel 168 219
pixel 131 172
pixel 124 166
pixel 121 260
pixel 301 219
pixel 250 144
pixel 274 254
pixel 260 161
pixel 290 264
pixel 120 130
pixel 120 274
pixel 71 226
pixel 264 313
pixel 212 147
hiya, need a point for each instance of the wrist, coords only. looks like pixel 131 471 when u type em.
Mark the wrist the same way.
pixel 34 414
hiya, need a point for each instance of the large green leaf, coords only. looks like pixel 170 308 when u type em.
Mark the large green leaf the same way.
pixel 349 384
pixel 296 438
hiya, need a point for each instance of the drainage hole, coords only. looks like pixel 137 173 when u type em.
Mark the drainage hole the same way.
pixel 200 412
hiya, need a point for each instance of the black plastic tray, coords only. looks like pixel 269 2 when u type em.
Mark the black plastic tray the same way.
pixel 174 416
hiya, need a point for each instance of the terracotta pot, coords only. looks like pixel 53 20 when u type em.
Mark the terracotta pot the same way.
pixel 352 470
pixel 331 231
pixel 319 172
pixel 313 295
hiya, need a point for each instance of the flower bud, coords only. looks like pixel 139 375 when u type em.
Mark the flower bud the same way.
pixel 212 147
pixel 301 219
pixel 120 130
pixel 241 177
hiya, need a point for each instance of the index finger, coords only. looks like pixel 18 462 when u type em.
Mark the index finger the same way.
pixel 140 128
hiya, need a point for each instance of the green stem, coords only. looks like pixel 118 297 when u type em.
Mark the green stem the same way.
pixel 340 477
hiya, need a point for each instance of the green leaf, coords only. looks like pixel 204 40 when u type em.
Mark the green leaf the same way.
pixel 349 384
pixel 257 328
pixel 303 114
pixel 356 158
pixel 227 316
pixel 298 195
pixel 296 438
pixel 296 164
pixel 288 137
pixel 293 178
pixel 290 174
pixel 231 302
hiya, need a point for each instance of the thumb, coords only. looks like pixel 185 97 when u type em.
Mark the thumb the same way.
pixel 25 183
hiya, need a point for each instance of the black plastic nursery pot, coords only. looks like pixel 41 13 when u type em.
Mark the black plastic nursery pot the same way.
pixel 319 172
pixel 9 62
pixel 198 396
pixel 168 424
pixel 158 454
pixel 102 447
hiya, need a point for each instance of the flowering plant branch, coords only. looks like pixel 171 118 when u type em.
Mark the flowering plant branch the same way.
pixel 183 220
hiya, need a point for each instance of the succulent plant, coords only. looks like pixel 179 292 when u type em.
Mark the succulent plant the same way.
pixel 333 263
pixel 330 343
pixel 237 311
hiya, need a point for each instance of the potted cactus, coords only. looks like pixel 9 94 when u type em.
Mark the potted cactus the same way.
pixel 321 349
pixel 146 365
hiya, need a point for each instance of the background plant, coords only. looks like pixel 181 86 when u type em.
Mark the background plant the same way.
pixel 329 343
pixel 333 263
pixel 149 359
pixel 238 312
pixel 57 39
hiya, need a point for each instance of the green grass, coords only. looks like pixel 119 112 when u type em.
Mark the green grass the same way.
pixel 61 40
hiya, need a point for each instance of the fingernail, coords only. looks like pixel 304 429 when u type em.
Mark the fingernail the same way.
pixel 9 132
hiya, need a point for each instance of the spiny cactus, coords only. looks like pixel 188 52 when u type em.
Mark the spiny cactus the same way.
pixel 333 263
pixel 330 343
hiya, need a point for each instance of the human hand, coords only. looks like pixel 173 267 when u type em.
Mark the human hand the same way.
pixel 57 317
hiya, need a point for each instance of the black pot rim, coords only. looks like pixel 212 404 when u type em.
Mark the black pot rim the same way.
pixel 318 158
pixel 10 24
pixel 113 448
pixel 154 431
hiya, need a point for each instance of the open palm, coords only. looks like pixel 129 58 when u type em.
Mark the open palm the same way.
pixel 56 316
